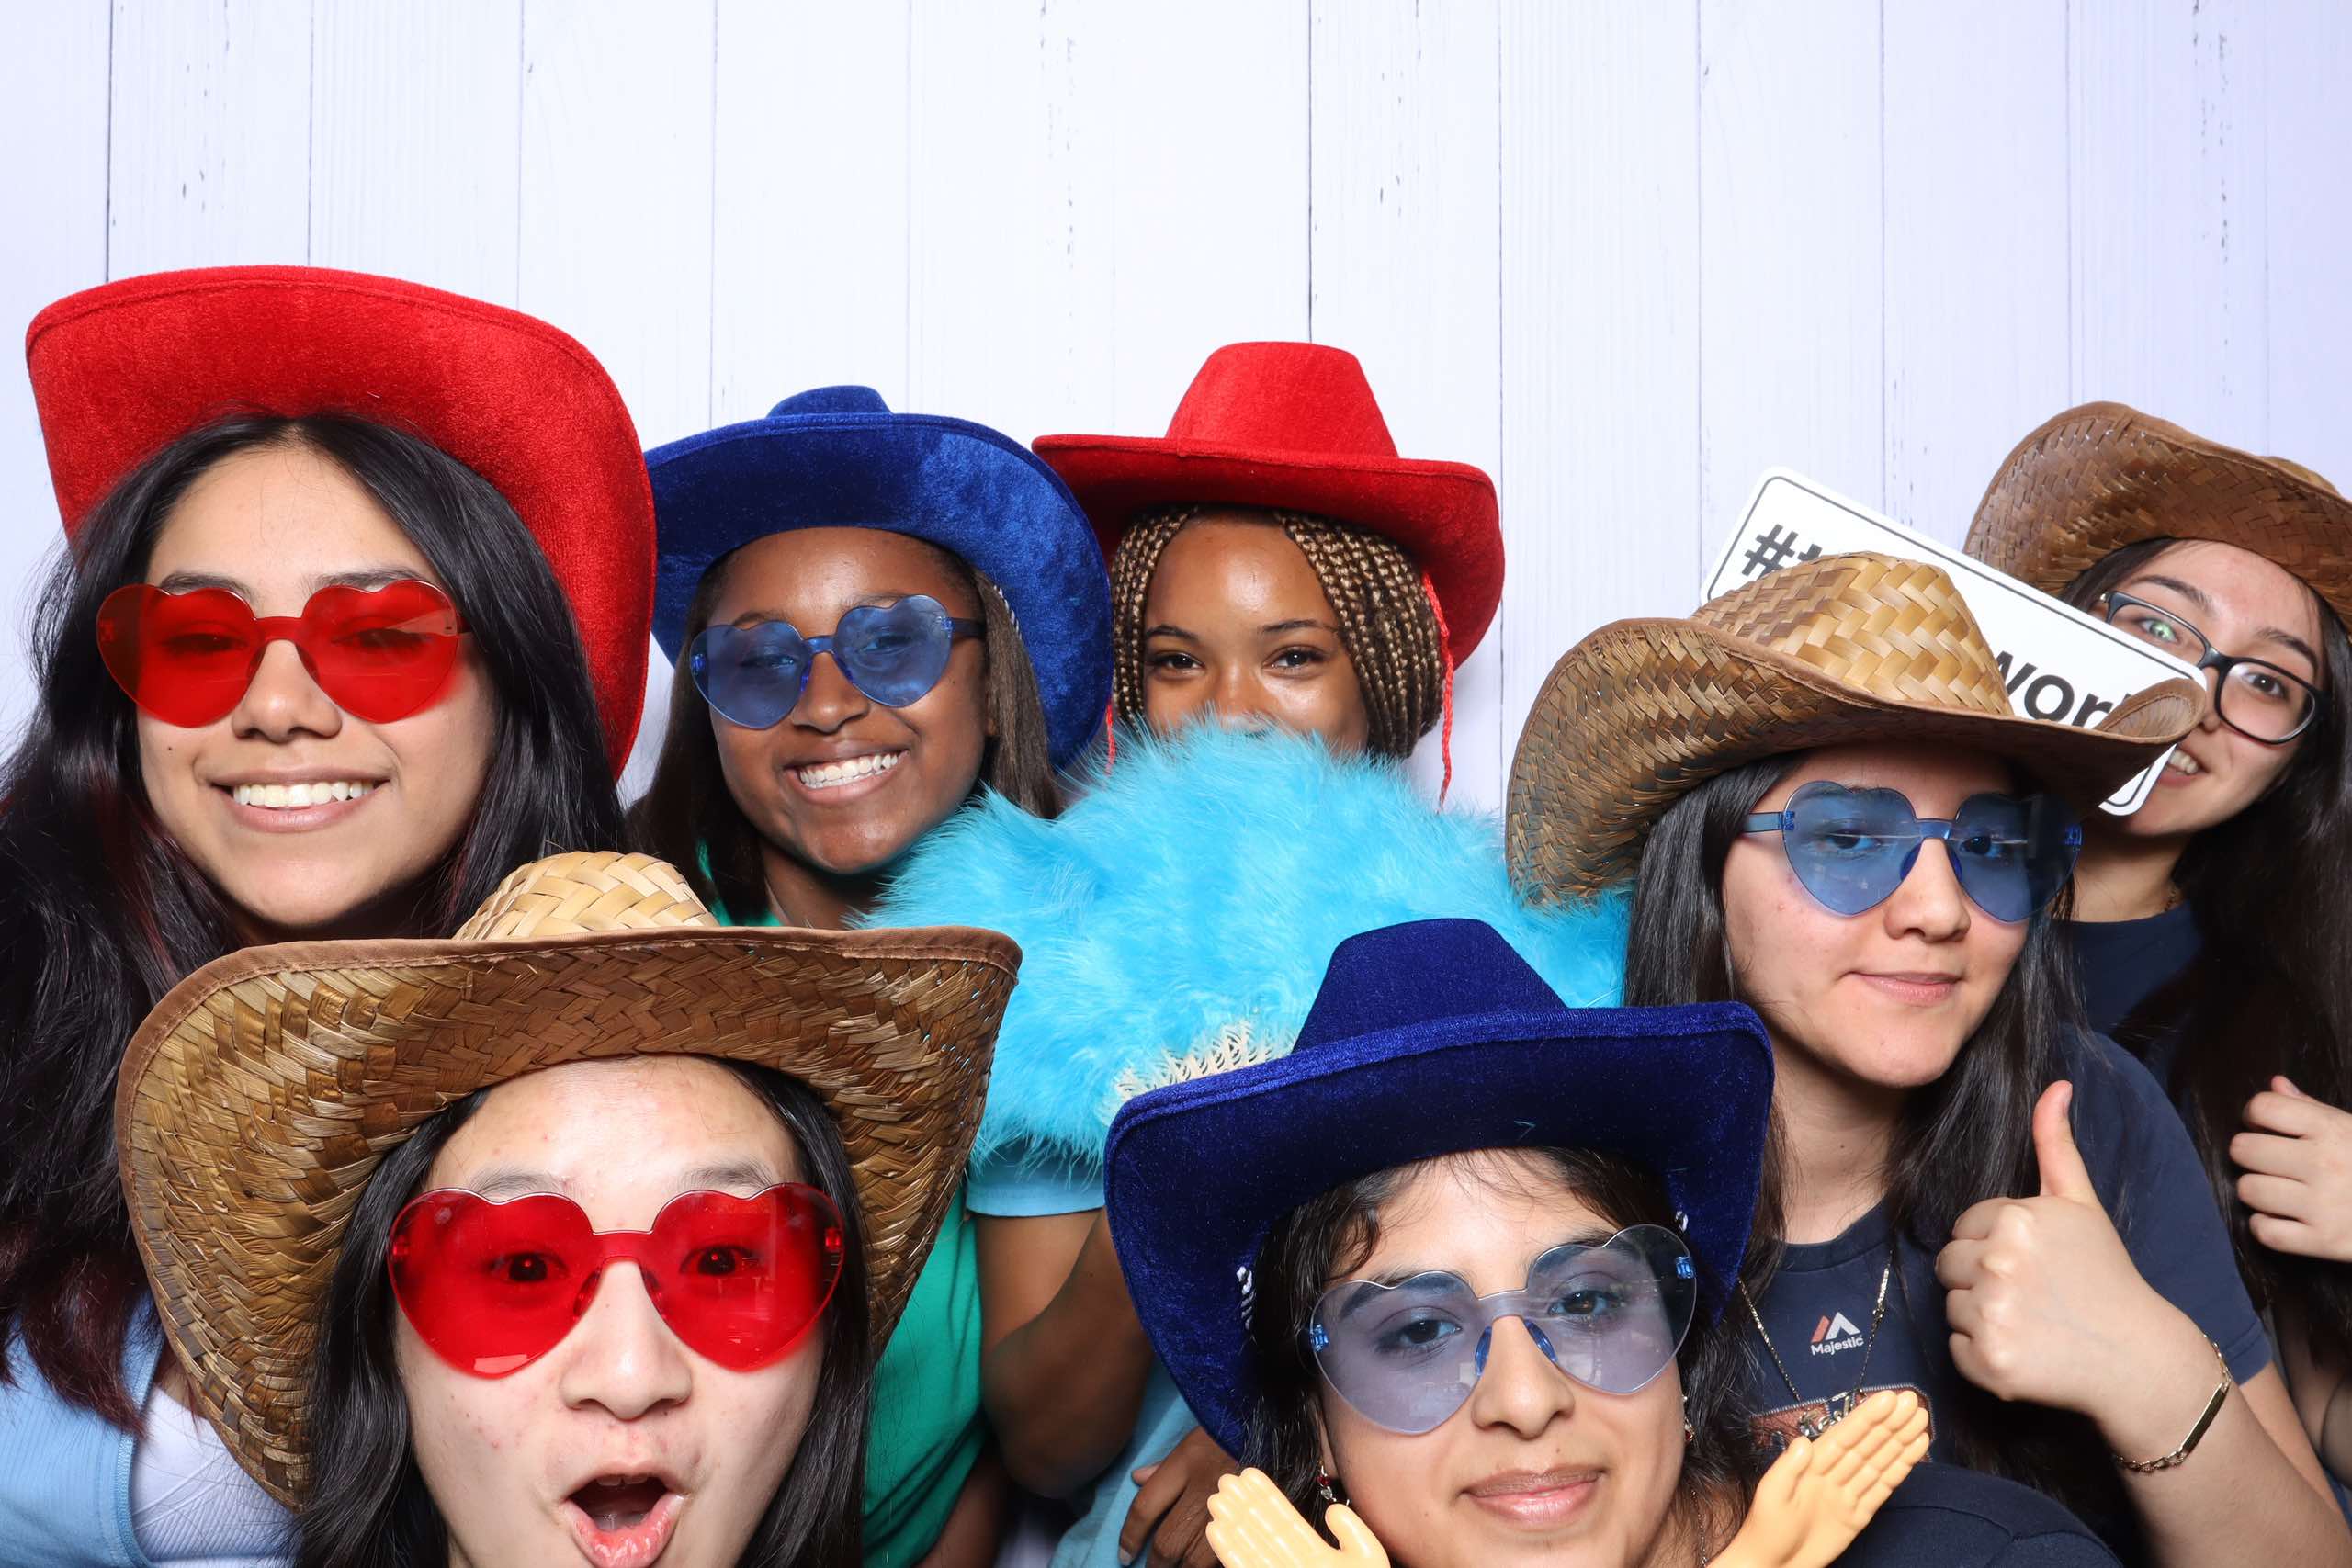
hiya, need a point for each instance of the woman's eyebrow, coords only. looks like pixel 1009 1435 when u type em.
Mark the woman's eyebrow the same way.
pixel 501 1182
pixel 2187 590
pixel 1274 629
pixel 2289 641
pixel 753 1174
pixel 188 582
pixel 366 578
pixel 1164 629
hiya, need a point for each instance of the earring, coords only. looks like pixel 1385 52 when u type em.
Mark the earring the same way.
pixel 1689 1431
pixel 1323 1486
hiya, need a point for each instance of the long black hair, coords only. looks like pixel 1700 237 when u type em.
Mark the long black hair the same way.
pixel 106 913
pixel 371 1509
pixel 688 817
pixel 2270 991
pixel 1329 1236
pixel 1965 1137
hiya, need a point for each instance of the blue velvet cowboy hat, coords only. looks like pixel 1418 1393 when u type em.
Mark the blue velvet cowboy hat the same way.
pixel 838 457
pixel 1427 1038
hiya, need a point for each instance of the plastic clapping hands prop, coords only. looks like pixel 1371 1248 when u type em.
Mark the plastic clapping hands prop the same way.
pixel 1822 1491
pixel 1252 1525
pixel 1812 1503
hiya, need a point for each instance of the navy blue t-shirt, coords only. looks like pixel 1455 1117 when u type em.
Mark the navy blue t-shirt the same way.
pixel 1817 1309
pixel 2122 963
pixel 1957 1518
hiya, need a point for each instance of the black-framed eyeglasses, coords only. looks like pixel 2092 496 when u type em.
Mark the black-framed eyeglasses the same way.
pixel 2254 697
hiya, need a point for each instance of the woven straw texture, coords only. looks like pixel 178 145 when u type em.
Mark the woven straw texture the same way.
pixel 261 1094
pixel 1843 648
pixel 2102 475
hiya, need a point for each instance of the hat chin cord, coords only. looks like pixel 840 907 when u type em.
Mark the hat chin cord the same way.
pixel 1445 652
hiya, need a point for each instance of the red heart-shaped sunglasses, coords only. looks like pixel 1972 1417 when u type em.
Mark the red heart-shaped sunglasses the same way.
pixel 492 1287
pixel 379 653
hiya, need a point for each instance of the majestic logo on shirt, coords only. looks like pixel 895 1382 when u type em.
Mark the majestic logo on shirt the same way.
pixel 1836 1333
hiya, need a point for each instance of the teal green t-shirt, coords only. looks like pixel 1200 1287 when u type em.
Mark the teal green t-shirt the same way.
pixel 928 1428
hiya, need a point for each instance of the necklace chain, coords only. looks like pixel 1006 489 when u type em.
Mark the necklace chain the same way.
pixel 1836 1406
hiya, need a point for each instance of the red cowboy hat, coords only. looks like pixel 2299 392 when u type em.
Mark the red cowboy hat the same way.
pixel 121 370
pixel 1293 426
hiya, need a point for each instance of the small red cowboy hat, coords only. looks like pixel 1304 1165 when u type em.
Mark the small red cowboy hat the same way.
pixel 121 370
pixel 1293 426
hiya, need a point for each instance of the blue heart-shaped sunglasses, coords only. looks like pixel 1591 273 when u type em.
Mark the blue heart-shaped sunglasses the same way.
pixel 755 675
pixel 1852 848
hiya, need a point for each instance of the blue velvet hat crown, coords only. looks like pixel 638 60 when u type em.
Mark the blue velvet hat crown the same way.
pixel 1427 1038
pixel 837 457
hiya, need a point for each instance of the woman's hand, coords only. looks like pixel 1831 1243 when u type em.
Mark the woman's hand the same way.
pixel 2297 1155
pixel 2046 1305
pixel 1252 1525
pixel 1171 1512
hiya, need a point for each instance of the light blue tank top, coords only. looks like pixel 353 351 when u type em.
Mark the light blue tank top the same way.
pixel 65 1472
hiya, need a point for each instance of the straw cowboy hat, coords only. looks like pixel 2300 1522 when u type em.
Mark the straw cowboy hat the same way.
pixel 257 1098
pixel 1294 425
pixel 2102 475
pixel 122 370
pixel 1843 648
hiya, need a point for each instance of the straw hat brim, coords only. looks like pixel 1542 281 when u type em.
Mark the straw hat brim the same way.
pixel 2100 477
pixel 1643 712
pixel 257 1100
pixel 1444 514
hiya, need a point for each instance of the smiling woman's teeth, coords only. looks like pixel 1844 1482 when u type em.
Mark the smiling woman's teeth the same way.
pixel 2182 762
pixel 281 796
pixel 832 776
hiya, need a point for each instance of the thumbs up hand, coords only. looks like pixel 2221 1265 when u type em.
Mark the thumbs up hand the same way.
pixel 2043 1302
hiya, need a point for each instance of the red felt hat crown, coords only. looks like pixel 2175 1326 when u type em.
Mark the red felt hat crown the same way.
pixel 121 371
pixel 1294 425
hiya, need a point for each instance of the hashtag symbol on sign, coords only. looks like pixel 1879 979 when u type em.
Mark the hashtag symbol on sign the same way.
pixel 1773 548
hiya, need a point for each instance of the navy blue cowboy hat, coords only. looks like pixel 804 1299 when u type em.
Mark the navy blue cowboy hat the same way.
pixel 1427 1038
pixel 838 457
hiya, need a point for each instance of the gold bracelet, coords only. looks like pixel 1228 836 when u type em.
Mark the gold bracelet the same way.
pixel 2196 1433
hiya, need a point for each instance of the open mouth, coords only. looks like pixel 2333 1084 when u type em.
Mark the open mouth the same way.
pixel 624 1522
pixel 2183 763
pixel 848 771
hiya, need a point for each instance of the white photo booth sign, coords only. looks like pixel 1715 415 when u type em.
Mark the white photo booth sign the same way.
pixel 2058 663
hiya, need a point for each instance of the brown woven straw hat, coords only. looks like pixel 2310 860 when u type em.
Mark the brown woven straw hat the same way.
pixel 1839 649
pixel 257 1098
pixel 2102 475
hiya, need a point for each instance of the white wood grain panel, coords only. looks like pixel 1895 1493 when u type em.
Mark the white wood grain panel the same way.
pixel 1791 292
pixel 808 263
pixel 1600 326
pixel 615 207
pixel 1209 239
pixel 2170 191
pixel 615 219
pixel 1976 276
pixel 212 135
pixel 52 99
pixel 1406 137
pixel 415 137
pixel 1101 194
pixel 2307 50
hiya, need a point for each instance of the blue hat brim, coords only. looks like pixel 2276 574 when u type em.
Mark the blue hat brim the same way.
pixel 963 487
pixel 1197 1173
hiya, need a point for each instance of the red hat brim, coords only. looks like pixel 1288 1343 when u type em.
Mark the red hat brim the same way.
pixel 121 371
pixel 1445 515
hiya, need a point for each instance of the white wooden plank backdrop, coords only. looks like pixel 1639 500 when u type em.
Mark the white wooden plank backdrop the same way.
pixel 1623 255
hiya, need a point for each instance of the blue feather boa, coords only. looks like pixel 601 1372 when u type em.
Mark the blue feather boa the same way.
pixel 1176 919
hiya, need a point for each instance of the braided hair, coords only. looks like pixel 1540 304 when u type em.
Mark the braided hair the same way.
pixel 1388 620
